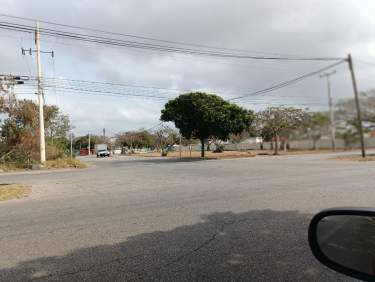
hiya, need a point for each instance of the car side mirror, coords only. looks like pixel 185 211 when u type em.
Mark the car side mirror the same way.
pixel 344 240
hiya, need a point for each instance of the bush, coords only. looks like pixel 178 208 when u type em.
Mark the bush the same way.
pixel 219 149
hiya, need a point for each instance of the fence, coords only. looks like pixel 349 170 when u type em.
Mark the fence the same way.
pixel 301 145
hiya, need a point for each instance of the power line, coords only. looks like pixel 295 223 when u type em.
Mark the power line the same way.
pixel 113 84
pixel 149 46
pixel 139 37
pixel 75 86
pixel 288 82
pixel 372 64
pixel 99 92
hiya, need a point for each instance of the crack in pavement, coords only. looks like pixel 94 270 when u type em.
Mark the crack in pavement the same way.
pixel 205 243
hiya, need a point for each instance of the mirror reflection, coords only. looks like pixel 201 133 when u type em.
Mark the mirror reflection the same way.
pixel 349 240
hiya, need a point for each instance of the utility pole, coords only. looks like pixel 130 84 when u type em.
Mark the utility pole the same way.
pixel 89 146
pixel 180 147
pixel 330 105
pixel 356 98
pixel 40 97
pixel 71 145
pixel 104 132
pixel 40 93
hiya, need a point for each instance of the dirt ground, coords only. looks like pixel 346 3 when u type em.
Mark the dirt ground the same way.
pixel 233 154
pixel 369 157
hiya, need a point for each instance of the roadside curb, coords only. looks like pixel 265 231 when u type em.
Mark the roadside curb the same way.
pixel 43 171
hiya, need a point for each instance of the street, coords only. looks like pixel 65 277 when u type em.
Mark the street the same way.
pixel 137 219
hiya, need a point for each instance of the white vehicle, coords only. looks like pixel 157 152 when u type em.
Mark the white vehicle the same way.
pixel 102 150
pixel 102 153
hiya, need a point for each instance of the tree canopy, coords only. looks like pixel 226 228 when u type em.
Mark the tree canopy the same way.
pixel 20 131
pixel 202 116
pixel 276 120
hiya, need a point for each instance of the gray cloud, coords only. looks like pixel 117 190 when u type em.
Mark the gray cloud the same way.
pixel 306 28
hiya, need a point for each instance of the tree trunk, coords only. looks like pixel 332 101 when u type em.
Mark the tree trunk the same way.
pixel 314 144
pixel 261 146
pixel 202 148
pixel 276 144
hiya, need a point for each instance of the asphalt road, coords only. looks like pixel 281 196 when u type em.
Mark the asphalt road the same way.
pixel 139 219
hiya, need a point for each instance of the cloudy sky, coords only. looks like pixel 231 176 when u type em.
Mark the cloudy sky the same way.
pixel 325 28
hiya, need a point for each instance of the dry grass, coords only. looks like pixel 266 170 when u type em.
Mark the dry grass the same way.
pixel 65 163
pixel 233 154
pixel 208 155
pixel 9 167
pixel 359 158
pixel 13 191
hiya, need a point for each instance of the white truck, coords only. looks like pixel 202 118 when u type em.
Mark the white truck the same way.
pixel 101 150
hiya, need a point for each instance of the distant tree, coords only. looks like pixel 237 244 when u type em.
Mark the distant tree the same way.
pixel 347 121
pixel 349 133
pixel 275 120
pixel 166 137
pixel 81 142
pixel 239 137
pixel 346 108
pixel 136 139
pixel 315 125
pixel 202 116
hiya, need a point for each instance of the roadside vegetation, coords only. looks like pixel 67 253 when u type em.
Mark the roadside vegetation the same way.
pixel 19 143
pixel 64 163
pixel 201 120
pixel 13 191
pixel 208 122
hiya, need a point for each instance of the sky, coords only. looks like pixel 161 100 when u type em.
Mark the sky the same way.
pixel 315 28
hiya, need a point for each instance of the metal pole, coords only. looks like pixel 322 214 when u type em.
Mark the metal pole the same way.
pixel 40 97
pixel 331 112
pixel 356 98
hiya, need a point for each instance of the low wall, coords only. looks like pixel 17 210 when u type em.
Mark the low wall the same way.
pixel 301 145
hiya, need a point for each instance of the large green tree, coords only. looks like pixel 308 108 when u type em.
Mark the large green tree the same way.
pixel 202 116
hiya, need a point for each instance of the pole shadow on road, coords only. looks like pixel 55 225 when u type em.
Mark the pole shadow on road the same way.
pixel 259 245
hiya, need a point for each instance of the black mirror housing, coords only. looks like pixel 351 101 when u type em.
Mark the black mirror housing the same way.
pixel 343 239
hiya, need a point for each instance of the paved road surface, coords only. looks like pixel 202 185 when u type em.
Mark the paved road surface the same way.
pixel 139 219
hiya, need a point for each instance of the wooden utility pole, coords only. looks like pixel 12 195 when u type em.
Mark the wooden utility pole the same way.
pixel 89 146
pixel 40 97
pixel 40 93
pixel 356 98
pixel 180 146
pixel 71 145
pixel 330 105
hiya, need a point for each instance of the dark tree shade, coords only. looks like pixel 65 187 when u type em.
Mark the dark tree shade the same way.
pixel 200 115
